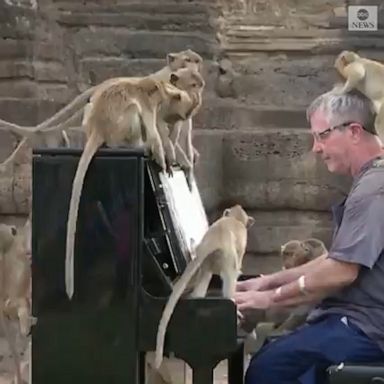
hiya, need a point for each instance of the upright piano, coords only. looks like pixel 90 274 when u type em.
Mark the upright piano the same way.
pixel 132 241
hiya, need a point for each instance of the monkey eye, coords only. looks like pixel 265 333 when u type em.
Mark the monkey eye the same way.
pixel 194 85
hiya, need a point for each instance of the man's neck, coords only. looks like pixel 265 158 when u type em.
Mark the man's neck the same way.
pixel 364 158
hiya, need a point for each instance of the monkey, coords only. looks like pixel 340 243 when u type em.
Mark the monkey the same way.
pixel 186 79
pixel 80 105
pixel 220 252
pixel 274 322
pixel 297 252
pixel 15 280
pixel 117 115
pixel 367 76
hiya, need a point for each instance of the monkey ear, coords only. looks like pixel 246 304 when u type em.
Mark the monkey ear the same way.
pixel 173 78
pixel 250 222
pixel 226 212
pixel 171 57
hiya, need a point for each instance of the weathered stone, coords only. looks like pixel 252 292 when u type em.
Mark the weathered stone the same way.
pixel 50 72
pixel 152 7
pixel 100 41
pixel 228 114
pixel 22 187
pixel 139 21
pixel 273 229
pixel 17 88
pixel 208 170
pixel 274 170
pixel 10 69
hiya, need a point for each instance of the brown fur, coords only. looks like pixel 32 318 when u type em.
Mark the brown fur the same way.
pixel 15 284
pixel 117 115
pixel 367 76
pixel 220 252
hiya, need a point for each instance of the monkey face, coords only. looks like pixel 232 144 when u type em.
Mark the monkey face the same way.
pixel 179 107
pixel 7 236
pixel 294 253
pixel 184 59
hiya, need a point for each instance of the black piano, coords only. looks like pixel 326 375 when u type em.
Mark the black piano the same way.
pixel 130 245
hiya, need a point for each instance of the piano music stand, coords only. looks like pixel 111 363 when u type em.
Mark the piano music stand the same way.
pixel 128 250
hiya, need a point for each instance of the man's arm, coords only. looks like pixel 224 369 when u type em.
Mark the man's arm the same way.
pixel 327 276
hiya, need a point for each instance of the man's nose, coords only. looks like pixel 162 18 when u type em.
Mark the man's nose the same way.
pixel 317 147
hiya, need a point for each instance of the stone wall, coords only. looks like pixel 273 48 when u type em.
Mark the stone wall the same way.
pixel 265 60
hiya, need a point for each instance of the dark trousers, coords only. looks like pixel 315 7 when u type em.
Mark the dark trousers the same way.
pixel 304 355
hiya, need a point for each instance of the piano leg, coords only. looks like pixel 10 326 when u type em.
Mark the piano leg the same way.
pixel 203 375
pixel 236 365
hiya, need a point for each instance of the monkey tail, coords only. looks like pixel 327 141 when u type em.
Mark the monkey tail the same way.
pixel 177 291
pixel 93 143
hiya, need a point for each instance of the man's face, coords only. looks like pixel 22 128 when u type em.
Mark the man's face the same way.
pixel 331 143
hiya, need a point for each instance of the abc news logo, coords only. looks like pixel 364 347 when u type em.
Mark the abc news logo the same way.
pixel 362 18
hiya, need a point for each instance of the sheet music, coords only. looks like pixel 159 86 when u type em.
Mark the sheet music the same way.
pixel 186 208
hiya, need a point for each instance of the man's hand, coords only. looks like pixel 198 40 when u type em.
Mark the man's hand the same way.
pixel 255 284
pixel 253 300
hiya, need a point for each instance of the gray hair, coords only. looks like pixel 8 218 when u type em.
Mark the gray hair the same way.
pixel 351 106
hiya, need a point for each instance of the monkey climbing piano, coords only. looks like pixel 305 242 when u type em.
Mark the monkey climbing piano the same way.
pixel 133 239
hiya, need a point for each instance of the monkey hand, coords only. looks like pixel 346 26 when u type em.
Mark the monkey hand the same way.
pixel 253 300
pixel 169 169
pixel 338 89
pixel 196 156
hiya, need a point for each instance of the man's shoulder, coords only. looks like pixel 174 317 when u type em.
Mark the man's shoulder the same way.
pixel 371 182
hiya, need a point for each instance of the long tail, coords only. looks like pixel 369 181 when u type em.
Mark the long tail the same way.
pixel 65 113
pixel 178 289
pixel 93 143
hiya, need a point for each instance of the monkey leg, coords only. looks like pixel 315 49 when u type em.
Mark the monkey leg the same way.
pixel 170 155
pixel 201 287
pixel 229 277
pixel 154 139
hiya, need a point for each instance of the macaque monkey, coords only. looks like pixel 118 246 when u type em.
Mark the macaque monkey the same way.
pixel 118 114
pixel 276 321
pixel 67 116
pixel 186 79
pixel 220 252
pixel 367 76
pixel 15 280
pixel 297 252
pixel 293 254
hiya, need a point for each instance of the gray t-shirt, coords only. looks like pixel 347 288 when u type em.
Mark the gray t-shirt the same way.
pixel 359 238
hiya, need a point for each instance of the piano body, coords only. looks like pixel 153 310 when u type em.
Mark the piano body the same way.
pixel 130 245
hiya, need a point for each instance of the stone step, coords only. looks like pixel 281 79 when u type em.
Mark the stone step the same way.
pixel 102 41
pixel 243 40
pixel 138 21
pixel 186 8
pixel 230 114
pixel 264 169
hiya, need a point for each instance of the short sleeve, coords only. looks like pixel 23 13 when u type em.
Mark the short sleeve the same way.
pixel 360 238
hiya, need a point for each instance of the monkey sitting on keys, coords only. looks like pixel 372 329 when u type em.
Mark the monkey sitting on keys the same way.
pixel 220 252
pixel 15 281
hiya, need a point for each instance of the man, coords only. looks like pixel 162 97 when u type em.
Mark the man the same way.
pixel 347 325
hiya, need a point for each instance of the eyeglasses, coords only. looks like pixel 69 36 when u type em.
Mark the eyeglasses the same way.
pixel 319 136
